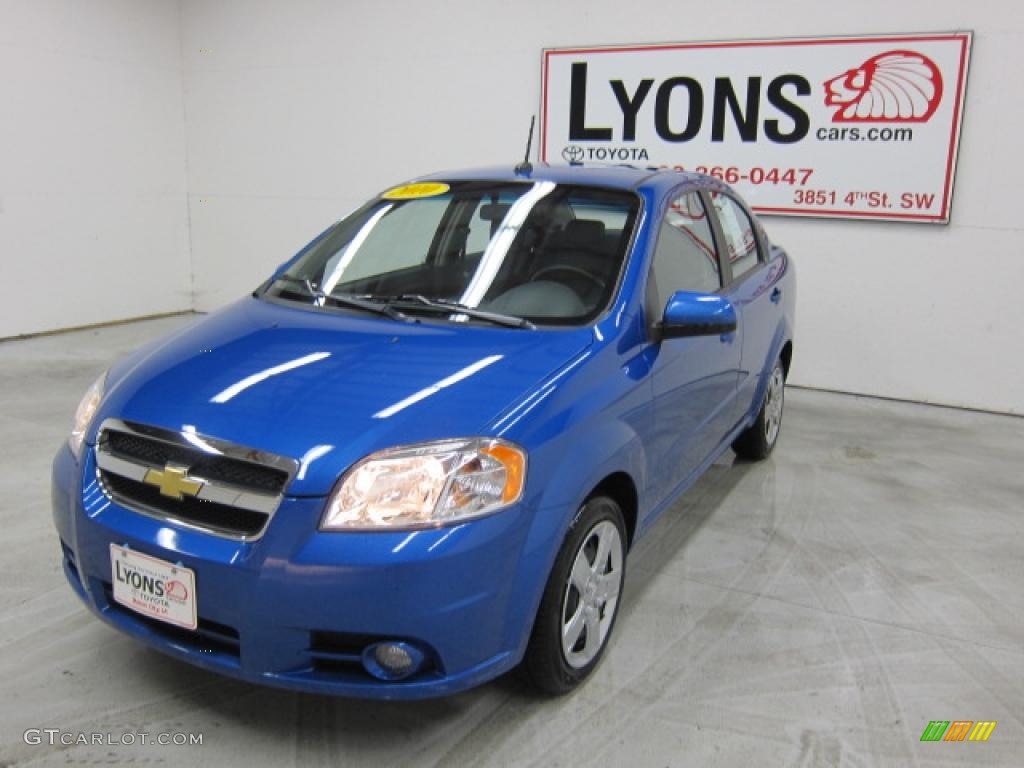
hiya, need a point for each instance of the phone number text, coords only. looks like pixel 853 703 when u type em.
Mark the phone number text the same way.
pixel 732 174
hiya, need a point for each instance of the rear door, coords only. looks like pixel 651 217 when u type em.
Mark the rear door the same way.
pixel 694 379
pixel 753 288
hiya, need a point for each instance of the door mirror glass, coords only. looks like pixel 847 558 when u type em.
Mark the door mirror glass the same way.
pixel 697 314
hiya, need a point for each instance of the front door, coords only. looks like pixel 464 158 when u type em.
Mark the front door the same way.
pixel 694 379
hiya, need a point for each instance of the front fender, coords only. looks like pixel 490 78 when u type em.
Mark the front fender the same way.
pixel 589 458
pixel 574 464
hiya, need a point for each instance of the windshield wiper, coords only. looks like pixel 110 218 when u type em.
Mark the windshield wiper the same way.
pixel 351 302
pixel 344 300
pixel 454 308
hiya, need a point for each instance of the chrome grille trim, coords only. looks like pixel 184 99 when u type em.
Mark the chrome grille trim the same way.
pixel 212 490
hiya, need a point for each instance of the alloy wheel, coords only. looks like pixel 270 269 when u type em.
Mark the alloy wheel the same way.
pixel 773 405
pixel 591 594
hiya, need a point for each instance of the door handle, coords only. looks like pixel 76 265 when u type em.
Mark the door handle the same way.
pixel 776 295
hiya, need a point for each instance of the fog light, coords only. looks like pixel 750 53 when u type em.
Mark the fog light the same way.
pixel 392 660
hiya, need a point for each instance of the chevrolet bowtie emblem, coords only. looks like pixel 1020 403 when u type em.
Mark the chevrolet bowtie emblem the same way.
pixel 173 481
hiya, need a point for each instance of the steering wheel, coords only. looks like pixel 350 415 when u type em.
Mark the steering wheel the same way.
pixel 571 270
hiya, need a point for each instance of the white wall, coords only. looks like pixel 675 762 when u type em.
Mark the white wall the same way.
pixel 93 216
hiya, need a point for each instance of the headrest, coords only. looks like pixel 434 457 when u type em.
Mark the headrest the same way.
pixel 583 233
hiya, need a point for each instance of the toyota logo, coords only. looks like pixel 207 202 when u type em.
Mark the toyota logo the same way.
pixel 572 154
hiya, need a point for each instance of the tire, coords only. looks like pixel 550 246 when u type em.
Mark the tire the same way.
pixel 583 591
pixel 758 440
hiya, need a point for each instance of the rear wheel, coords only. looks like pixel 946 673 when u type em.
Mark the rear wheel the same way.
pixel 581 600
pixel 757 441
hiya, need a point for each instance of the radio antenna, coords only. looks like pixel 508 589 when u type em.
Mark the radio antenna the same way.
pixel 524 167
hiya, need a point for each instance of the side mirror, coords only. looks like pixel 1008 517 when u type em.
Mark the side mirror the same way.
pixel 697 314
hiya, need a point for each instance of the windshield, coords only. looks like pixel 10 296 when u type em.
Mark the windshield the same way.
pixel 538 251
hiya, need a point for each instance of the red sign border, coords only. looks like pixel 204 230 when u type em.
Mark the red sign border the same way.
pixel 964 37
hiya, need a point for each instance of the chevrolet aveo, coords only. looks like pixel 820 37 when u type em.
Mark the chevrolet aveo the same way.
pixel 418 455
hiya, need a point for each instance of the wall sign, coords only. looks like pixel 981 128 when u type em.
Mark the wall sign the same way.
pixel 857 127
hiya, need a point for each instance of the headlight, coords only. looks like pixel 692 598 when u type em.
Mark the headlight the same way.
pixel 86 410
pixel 427 485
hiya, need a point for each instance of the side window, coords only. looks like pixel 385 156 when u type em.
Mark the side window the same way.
pixel 740 240
pixel 612 216
pixel 685 258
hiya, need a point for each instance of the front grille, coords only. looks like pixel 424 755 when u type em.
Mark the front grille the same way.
pixel 334 652
pixel 207 637
pixel 232 490
pixel 211 515
pixel 71 560
pixel 340 644
pixel 219 468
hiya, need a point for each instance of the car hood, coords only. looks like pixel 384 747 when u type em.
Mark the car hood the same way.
pixel 328 388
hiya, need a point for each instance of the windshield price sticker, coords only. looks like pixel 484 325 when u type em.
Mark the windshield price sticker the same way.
pixel 414 191
pixel 863 127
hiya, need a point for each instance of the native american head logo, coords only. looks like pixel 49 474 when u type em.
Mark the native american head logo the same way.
pixel 893 87
pixel 176 590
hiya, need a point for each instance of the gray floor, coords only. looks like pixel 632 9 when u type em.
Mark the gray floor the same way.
pixel 818 608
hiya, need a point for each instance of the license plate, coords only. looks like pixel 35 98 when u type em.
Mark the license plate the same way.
pixel 154 587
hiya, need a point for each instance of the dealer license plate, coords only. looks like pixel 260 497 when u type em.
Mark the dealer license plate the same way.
pixel 154 587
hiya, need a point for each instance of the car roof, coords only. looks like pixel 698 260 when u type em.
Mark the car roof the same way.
pixel 614 176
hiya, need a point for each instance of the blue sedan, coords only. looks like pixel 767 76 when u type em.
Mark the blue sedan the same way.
pixel 418 455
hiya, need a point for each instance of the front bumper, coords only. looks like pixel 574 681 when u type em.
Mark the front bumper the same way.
pixel 295 608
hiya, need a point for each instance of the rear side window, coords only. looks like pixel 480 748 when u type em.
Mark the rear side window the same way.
pixel 738 229
pixel 613 217
pixel 685 258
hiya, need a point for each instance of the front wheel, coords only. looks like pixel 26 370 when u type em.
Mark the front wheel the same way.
pixel 581 600
pixel 758 440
